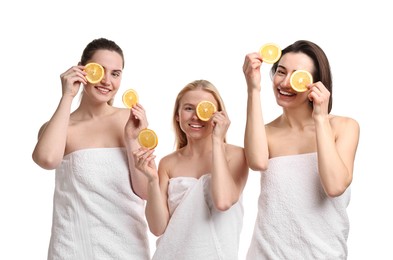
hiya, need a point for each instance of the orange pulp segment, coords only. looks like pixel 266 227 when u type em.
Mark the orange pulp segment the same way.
pixel 148 138
pixel 95 72
pixel 205 109
pixel 130 98
pixel 270 53
pixel 300 79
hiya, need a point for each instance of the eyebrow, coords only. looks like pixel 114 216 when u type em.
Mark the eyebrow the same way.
pixel 118 70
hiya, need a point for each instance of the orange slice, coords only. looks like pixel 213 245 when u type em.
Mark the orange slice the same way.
pixel 270 53
pixel 130 98
pixel 148 138
pixel 205 109
pixel 300 79
pixel 95 72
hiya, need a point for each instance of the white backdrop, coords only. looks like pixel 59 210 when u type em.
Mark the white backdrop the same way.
pixel 168 44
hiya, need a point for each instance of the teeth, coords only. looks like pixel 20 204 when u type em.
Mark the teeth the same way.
pixel 103 89
pixel 285 93
pixel 196 126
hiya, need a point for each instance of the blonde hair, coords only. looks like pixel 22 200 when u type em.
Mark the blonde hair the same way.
pixel 180 136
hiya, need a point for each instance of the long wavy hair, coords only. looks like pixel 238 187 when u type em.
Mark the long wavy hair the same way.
pixel 321 63
pixel 180 136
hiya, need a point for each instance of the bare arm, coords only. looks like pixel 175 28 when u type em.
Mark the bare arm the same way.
pixel 255 140
pixel 157 212
pixel 337 141
pixel 136 122
pixel 230 169
pixel 49 150
pixel 336 154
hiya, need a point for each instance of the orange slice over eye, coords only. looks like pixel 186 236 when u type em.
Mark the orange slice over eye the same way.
pixel 205 109
pixel 95 72
pixel 300 79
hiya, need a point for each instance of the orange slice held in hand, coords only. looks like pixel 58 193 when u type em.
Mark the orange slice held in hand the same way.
pixel 270 52
pixel 130 98
pixel 95 72
pixel 205 109
pixel 148 138
pixel 300 79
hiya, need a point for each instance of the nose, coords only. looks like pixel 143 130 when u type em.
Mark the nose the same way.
pixel 105 80
pixel 286 81
pixel 194 115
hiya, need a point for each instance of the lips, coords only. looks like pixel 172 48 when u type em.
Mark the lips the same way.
pixel 103 90
pixel 196 126
pixel 285 93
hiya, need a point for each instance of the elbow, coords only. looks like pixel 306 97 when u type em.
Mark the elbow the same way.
pixel 337 191
pixel 45 162
pixel 223 205
pixel 157 231
pixel 334 193
pixel 338 188
pixel 258 166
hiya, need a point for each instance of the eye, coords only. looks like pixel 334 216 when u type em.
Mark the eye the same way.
pixel 188 108
pixel 116 74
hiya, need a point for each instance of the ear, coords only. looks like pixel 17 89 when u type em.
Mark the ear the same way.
pixel 177 118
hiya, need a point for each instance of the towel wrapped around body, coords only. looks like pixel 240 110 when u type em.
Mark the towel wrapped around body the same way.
pixel 96 215
pixel 296 219
pixel 196 229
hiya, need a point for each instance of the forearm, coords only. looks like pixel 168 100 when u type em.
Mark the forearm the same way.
pixel 335 176
pixel 255 140
pixel 224 189
pixel 157 213
pixel 138 179
pixel 49 150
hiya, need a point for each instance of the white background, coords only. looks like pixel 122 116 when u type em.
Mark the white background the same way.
pixel 168 44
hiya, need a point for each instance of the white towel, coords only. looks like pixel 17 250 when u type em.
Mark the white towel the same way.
pixel 196 229
pixel 95 213
pixel 296 219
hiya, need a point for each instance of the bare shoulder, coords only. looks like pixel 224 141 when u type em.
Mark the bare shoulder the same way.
pixel 168 160
pixel 343 123
pixel 42 128
pixel 168 163
pixel 235 152
pixel 235 149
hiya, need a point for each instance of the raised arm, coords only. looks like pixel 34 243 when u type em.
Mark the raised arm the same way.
pixel 230 169
pixel 255 140
pixel 136 122
pixel 49 150
pixel 157 212
pixel 337 141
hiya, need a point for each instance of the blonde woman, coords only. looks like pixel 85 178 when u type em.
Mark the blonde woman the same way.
pixel 194 198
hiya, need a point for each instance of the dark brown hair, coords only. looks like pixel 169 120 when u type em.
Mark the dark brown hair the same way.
pixel 321 63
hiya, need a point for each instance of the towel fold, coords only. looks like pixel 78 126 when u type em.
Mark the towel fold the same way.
pixel 95 213
pixel 196 229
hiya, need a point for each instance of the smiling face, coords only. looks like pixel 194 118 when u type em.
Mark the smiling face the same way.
pixel 289 63
pixel 187 117
pixel 106 89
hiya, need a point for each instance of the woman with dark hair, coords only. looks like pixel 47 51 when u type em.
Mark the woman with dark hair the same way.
pixel 98 206
pixel 306 159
